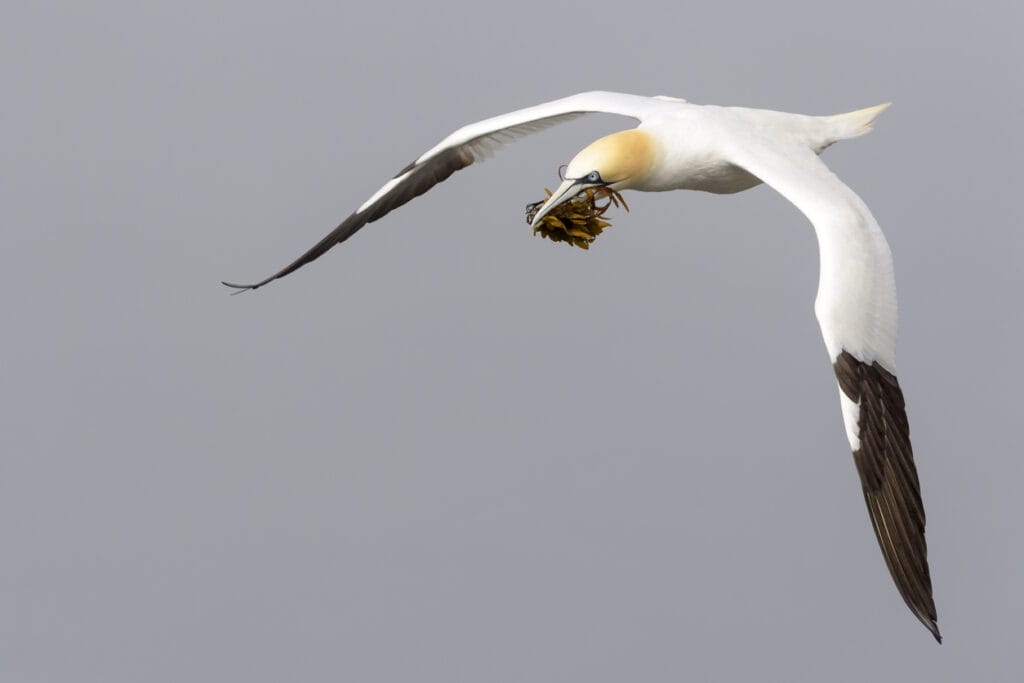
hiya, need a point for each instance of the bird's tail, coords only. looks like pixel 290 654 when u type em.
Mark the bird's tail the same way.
pixel 854 123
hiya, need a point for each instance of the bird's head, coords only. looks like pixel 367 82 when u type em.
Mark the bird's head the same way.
pixel 617 161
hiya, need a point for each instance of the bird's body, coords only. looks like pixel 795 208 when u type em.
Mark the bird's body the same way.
pixel 679 145
pixel 691 162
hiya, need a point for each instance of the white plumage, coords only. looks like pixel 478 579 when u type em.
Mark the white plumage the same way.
pixel 679 145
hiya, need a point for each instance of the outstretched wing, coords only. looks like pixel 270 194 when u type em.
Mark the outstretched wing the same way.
pixel 460 149
pixel 856 308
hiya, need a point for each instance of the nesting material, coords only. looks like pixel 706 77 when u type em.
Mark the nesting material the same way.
pixel 578 221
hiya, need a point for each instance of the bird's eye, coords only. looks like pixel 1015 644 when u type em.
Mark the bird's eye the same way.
pixel 594 177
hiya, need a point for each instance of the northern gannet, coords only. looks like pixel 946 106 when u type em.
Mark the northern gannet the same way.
pixel 680 145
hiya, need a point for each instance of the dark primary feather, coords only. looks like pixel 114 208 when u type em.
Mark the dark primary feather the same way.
pixel 420 178
pixel 885 462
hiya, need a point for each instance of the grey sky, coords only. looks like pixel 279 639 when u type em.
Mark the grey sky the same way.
pixel 449 450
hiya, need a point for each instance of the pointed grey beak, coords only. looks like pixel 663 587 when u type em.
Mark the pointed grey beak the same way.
pixel 569 188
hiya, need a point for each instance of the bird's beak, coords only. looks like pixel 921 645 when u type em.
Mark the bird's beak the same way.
pixel 569 188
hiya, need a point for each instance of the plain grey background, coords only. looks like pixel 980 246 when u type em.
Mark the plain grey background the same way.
pixel 449 450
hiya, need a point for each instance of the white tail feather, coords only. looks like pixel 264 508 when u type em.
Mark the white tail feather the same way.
pixel 855 123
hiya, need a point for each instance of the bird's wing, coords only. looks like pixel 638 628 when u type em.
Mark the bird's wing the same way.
pixel 856 308
pixel 462 148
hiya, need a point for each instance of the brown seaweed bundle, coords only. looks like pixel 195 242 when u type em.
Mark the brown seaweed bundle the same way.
pixel 579 220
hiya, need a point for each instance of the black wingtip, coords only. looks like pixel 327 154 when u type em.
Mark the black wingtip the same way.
pixel 238 288
pixel 934 628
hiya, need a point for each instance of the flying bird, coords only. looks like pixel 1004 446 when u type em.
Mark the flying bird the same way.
pixel 679 145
